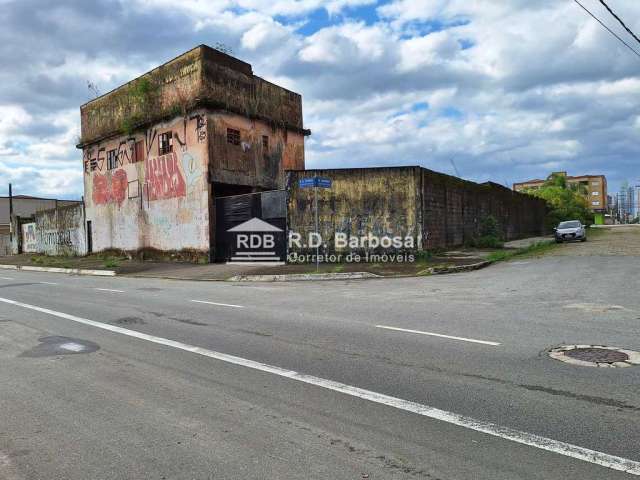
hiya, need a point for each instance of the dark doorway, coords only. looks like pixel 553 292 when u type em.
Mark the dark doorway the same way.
pixel 233 211
pixel 89 237
pixel 228 189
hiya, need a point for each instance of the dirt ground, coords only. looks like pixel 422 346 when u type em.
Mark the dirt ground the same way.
pixel 615 240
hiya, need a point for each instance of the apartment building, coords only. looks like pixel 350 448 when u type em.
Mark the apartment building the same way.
pixel 594 186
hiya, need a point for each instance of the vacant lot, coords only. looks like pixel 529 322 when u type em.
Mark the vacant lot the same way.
pixel 622 240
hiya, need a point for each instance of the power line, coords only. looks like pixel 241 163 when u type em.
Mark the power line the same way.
pixel 619 20
pixel 607 28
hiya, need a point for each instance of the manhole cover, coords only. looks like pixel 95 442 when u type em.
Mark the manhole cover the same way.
pixel 595 356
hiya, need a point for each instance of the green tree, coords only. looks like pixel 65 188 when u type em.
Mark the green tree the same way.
pixel 566 202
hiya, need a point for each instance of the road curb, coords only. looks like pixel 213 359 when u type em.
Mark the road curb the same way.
pixel 72 271
pixel 455 268
pixel 297 277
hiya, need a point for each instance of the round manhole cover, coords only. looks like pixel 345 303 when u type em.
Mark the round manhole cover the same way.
pixel 595 356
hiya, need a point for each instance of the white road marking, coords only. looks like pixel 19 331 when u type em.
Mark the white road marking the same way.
pixel 6 278
pixel 110 290
pixel 562 448
pixel 48 283
pixel 451 337
pixel 218 304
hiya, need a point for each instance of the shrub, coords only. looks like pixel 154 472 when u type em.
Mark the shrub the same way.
pixel 488 234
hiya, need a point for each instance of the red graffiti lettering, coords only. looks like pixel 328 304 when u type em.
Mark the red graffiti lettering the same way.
pixel 100 189
pixel 164 178
pixel 119 185
pixel 106 190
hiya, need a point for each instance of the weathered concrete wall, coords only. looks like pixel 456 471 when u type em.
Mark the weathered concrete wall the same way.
pixel 29 237
pixel 453 209
pixel 151 200
pixel 362 201
pixel 249 163
pixel 436 209
pixel 201 77
pixel 5 244
pixel 58 231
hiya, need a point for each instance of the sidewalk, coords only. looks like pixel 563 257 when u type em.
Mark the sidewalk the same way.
pixel 453 260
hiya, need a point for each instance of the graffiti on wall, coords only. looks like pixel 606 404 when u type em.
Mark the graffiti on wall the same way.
pixel 164 178
pixel 107 189
pixel 56 238
pixel 191 168
pixel 29 239
pixel 201 127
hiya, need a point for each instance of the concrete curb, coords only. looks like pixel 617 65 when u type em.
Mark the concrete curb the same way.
pixel 72 271
pixel 303 277
pixel 456 268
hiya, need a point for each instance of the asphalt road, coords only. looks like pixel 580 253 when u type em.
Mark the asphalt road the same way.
pixel 131 397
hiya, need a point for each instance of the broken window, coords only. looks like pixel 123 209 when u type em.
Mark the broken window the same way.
pixel 112 159
pixel 165 143
pixel 233 136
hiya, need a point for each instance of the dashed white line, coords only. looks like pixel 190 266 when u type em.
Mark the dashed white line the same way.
pixel 48 283
pixel 555 446
pixel 6 278
pixel 450 337
pixel 218 304
pixel 109 290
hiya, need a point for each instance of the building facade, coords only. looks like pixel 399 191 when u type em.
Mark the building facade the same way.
pixel 594 186
pixel 160 149
pixel 24 208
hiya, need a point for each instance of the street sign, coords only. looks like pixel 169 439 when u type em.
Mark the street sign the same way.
pixel 315 182
pixel 319 182
pixel 307 182
pixel 323 182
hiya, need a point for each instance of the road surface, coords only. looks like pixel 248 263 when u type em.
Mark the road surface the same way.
pixel 124 378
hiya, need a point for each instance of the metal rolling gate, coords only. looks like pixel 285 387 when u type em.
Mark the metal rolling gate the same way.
pixel 232 216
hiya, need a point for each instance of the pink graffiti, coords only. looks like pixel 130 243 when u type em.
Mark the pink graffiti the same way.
pixel 164 178
pixel 106 190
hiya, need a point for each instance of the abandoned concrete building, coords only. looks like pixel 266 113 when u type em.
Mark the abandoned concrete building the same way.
pixel 159 150
pixel 199 147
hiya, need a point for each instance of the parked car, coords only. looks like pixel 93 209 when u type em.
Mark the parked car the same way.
pixel 570 231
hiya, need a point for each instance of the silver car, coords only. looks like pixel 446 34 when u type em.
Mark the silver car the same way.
pixel 570 231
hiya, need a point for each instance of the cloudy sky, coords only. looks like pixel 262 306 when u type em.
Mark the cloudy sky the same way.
pixel 505 89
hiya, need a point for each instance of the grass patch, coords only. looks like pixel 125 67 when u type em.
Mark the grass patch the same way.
pixel 535 249
pixel 111 263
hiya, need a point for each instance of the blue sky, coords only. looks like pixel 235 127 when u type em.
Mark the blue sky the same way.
pixel 510 90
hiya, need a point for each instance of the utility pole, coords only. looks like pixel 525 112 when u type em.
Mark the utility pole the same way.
pixel 315 194
pixel 10 214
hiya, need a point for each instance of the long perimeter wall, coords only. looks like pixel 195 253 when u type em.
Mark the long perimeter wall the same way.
pixel 434 209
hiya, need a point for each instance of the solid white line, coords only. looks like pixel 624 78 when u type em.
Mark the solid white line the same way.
pixel 110 290
pixel 218 304
pixel 573 451
pixel 451 337
pixel 6 278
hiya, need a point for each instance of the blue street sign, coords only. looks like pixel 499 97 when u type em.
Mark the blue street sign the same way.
pixel 306 182
pixel 323 182
pixel 314 182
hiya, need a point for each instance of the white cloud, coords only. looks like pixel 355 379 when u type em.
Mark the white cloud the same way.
pixel 510 89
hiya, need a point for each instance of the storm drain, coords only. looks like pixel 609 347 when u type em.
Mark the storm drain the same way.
pixel 595 356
